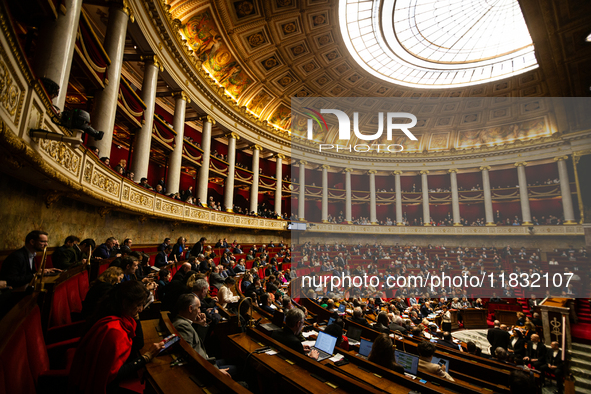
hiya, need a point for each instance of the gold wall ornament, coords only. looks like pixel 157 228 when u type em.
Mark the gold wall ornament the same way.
pixel 424 172
pixel 559 158
pixel 9 92
pixel 521 164
pixel 103 211
pixel 154 60
pixel 105 183
pixel 51 197
pixel 63 155
pixel 452 170
pixel 485 168
pixel 126 7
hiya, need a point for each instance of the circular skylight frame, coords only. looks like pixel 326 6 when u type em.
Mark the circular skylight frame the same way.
pixel 367 27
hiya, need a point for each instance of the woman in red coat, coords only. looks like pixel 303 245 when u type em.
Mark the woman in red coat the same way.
pixel 104 357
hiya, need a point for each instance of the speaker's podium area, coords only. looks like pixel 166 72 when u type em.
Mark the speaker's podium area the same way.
pixel 195 198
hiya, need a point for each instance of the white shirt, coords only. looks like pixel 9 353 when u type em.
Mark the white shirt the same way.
pixel 32 260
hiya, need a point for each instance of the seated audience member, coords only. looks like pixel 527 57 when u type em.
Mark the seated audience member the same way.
pixel 536 321
pixel 266 300
pixel 382 323
pixel 177 287
pixel 254 290
pixel 99 288
pixel 240 267
pixel 18 269
pixel 225 294
pixel 447 340
pixel 289 336
pixel 358 317
pixel 104 250
pixel 535 353
pixel 162 257
pixel 336 330
pixel 473 349
pixel 521 383
pixel 520 319
pixel 215 278
pixel 555 365
pixel 200 289
pixel 398 325
pixel 164 277
pixel 129 265
pixel 382 353
pixel 66 256
pixel 85 249
pixel 188 312
pixel 104 357
pixel 426 350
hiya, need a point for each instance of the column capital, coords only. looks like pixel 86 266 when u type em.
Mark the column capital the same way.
pixel 521 164
pixel 154 60
pixel 559 158
pixel 424 172
pixel 372 172
pixel 325 167
pixel 233 135
pixel 280 156
pixel 256 147
pixel 207 118
pixel 302 162
pixel 126 8
pixel 452 170
pixel 485 168
pixel 348 170
pixel 397 172
pixel 183 95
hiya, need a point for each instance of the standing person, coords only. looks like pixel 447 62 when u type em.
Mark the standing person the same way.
pixel 199 247
pixel 446 319
pixel 178 249
pixel 102 360
pixel 18 269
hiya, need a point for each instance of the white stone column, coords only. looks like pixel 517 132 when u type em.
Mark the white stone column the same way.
pixel 105 107
pixel 348 196
pixel 229 185
pixel 207 122
pixel 254 188
pixel 523 196
pixel 55 49
pixel 325 168
pixel 567 201
pixel 488 208
pixel 373 217
pixel 455 198
pixel 425 191
pixel 173 178
pixel 302 197
pixel 398 189
pixel 278 182
pixel 143 139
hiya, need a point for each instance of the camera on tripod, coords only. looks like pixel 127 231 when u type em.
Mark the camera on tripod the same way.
pixel 77 119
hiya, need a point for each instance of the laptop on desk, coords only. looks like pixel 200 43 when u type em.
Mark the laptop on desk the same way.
pixel 354 335
pixel 365 348
pixel 409 362
pixel 324 345
pixel 342 308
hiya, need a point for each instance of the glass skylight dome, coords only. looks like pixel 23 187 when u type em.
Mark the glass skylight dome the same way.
pixel 437 43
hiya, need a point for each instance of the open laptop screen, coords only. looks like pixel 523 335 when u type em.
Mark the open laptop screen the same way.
pixel 330 321
pixel 365 347
pixel 354 333
pixel 409 362
pixel 325 342
pixel 342 307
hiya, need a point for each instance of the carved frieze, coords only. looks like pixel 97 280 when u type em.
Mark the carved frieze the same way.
pixel 63 155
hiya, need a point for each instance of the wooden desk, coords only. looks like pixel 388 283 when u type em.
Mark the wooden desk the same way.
pixel 508 318
pixel 165 379
pixel 474 318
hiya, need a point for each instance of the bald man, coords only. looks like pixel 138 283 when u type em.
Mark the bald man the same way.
pixel 498 337
pixel 535 354
pixel 555 365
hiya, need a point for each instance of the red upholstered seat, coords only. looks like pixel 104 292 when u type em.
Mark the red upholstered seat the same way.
pixel 24 358
pixel 83 285
pixel 60 306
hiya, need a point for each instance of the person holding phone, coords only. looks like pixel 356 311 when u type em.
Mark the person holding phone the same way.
pixel 104 358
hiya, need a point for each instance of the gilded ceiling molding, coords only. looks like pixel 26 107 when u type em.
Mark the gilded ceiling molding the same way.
pixel 521 164
pixel 452 170
pixel 559 158
pixel 485 168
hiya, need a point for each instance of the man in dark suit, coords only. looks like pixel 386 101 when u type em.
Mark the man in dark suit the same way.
pixel 555 365
pixel 164 244
pixel 199 247
pixel 359 318
pixel 396 325
pixel 498 337
pixel 536 319
pixel 289 336
pixel 162 257
pixel 447 341
pixel 18 269
pixel 535 354
pixel 266 300
pixel 66 256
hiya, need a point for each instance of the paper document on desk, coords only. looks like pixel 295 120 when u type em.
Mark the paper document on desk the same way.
pixel 309 343
pixel 271 352
pixel 309 333
pixel 336 358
